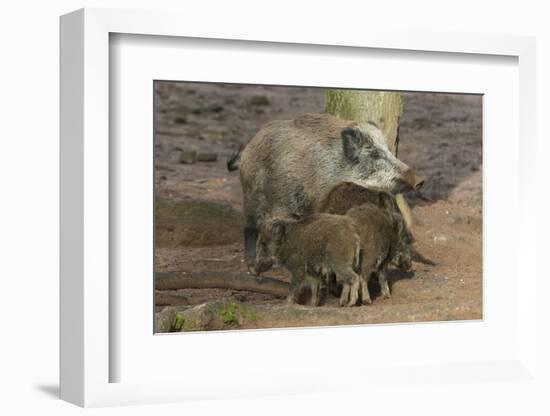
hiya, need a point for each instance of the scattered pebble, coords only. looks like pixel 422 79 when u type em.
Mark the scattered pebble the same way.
pixel 188 157
pixel 207 157
pixel 259 100
pixel 214 108
pixel 239 297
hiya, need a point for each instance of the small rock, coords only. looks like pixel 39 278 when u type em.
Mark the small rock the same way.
pixel 214 108
pixel 207 157
pixel 188 157
pixel 440 238
pixel 259 100
pixel 165 320
pixel 239 297
pixel 180 120
pixel 456 219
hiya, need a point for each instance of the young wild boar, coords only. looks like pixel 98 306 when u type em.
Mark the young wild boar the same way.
pixel 346 195
pixel 383 239
pixel 309 249
pixel 289 165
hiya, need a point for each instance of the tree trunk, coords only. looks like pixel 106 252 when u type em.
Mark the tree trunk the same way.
pixel 380 107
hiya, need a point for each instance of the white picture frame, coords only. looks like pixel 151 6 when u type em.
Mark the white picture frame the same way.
pixel 87 356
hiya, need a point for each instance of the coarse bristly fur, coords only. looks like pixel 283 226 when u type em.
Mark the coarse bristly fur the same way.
pixel 310 249
pixel 290 164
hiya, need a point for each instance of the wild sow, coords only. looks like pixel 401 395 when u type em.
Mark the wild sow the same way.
pixel 289 165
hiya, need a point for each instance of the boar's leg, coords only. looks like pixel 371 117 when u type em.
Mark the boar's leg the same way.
pixel 365 293
pixel 384 286
pixel 344 296
pixel 350 290
pixel 315 286
pixel 296 281
pixel 250 237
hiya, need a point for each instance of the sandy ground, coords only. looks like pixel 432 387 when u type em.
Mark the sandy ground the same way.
pixel 198 215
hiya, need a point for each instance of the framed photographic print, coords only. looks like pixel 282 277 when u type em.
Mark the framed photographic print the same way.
pixel 275 213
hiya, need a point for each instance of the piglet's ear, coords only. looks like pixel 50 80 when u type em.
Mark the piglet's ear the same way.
pixel 352 141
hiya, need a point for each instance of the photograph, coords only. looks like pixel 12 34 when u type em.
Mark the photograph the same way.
pixel 294 207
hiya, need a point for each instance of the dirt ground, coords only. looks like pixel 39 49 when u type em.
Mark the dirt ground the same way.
pixel 199 205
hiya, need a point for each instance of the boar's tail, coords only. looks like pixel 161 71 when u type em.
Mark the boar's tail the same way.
pixel 419 258
pixel 234 160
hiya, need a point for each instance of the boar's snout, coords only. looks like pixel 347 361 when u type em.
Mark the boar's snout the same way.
pixel 403 262
pixel 262 265
pixel 410 181
pixel 418 182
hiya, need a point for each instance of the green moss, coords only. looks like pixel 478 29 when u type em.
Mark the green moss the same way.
pixel 178 322
pixel 229 313
pixel 254 316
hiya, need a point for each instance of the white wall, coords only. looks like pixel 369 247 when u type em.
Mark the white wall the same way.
pixel 29 172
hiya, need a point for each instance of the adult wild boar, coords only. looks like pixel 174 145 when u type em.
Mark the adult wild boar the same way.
pixel 289 165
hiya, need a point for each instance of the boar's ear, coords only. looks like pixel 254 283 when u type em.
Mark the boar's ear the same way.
pixel 296 217
pixel 353 140
pixel 373 123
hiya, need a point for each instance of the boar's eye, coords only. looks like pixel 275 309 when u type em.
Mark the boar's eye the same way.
pixel 375 153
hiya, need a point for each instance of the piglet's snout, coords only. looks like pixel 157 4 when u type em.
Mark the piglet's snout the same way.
pixel 262 266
